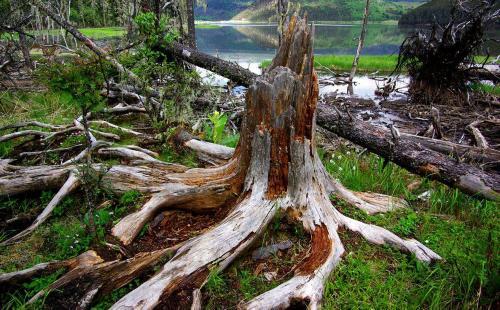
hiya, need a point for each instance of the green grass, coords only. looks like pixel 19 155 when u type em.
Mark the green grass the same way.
pixel 463 230
pixel 103 33
pixel 94 33
pixel 486 88
pixel 45 106
pixel 207 26
pixel 367 63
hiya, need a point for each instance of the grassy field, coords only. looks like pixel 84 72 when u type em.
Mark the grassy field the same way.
pixel 207 26
pixel 103 33
pixel 367 63
pixel 384 63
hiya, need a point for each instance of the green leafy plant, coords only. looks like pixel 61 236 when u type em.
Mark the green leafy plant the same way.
pixel 130 197
pixel 215 130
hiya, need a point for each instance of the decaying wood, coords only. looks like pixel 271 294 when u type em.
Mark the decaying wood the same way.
pixel 470 153
pixel 436 123
pixel 478 136
pixel 279 168
pixel 88 281
pixel 274 167
pixel 227 69
pixel 208 152
pixel 88 258
pixel 412 156
pixel 69 186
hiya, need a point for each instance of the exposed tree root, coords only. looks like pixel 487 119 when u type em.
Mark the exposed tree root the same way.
pixel 93 280
pixel 88 258
pixel 275 167
pixel 208 152
pixel 69 186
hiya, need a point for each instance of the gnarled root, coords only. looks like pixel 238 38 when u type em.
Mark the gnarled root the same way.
pixel 175 194
pixel 214 249
pixel 101 278
pixel 88 258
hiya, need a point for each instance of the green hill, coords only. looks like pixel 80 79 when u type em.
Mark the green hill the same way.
pixel 433 10
pixel 427 13
pixel 320 10
pixel 337 10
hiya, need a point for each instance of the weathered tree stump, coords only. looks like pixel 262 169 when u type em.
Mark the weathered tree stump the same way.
pixel 274 167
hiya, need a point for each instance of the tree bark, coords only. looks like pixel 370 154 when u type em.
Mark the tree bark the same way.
pixel 282 7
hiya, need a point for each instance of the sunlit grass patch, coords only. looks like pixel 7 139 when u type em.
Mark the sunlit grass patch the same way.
pixel 207 26
pixel 47 106
pixel 461 229
pixel 486 88
pixel 102 33
pixel 367 63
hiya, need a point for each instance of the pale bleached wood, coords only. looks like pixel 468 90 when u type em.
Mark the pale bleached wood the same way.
pixel 69 186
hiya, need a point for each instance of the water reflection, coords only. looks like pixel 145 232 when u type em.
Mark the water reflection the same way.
pixel 257 42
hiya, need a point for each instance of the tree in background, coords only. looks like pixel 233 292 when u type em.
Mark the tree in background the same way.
pixel 361 42
pixel 440 62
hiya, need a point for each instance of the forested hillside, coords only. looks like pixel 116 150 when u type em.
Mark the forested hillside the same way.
pixel 428 12
pixel 341 10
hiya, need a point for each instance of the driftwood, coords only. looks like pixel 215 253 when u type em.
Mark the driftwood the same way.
pixel 207 152
pixel 227 69
pixel 412 156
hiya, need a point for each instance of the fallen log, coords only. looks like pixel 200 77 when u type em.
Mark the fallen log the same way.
pixel 411 155
pixel 227 69
pixel 469 153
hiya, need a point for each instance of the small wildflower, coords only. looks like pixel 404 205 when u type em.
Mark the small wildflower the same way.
pixel 340 168
pixel 426 241
pixel 348 153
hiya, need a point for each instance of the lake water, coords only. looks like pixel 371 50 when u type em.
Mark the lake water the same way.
pixel 253 43
pixel 250 44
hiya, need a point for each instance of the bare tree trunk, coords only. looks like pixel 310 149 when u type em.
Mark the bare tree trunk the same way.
pixel 282 7
pixel 361 42
pixel 191 30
